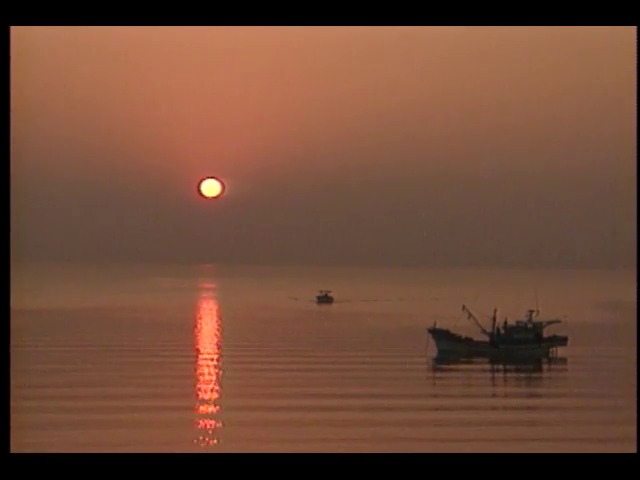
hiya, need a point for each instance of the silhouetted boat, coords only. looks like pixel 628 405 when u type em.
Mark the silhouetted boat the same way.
pixel 524 339
pixel 324 297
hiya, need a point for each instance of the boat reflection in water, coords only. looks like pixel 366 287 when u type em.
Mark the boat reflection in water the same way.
pixel 515 365
pixel 208 343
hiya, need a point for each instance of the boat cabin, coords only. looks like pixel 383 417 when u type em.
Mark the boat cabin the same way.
pixel 523 331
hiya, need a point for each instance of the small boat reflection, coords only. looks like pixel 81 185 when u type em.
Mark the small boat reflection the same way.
pixel 208 349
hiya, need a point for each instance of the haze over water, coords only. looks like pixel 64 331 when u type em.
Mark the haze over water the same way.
pixel 391 146
pixel 240 359
pixel 486 166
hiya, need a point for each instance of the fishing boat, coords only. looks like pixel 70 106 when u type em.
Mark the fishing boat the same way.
pixel 522 339
pixel 324 297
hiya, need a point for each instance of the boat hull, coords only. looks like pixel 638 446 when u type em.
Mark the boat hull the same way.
pixel 450 344
pixel 324 300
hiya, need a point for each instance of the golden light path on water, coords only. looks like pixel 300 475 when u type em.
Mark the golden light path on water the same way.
pixel 208 366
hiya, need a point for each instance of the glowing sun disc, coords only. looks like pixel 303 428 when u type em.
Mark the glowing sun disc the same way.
pixel 211 187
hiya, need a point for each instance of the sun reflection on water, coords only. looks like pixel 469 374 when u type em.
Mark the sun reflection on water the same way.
pixel 208 366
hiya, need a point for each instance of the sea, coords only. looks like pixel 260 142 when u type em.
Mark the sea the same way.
pixel 217 359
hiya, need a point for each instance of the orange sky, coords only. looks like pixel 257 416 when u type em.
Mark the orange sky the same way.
pixel 422 145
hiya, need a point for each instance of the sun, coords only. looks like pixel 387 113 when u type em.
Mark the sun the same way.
pixel 211 187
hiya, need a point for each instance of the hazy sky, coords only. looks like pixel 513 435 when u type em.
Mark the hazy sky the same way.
pixel 368 145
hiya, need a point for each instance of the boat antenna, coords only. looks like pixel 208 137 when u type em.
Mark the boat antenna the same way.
pixel 537 304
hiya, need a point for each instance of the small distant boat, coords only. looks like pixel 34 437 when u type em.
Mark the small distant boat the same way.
pixel 324 297
pixel 523 339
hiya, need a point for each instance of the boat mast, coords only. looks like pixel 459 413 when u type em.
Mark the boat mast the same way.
pixel 494 319
pixel 471 316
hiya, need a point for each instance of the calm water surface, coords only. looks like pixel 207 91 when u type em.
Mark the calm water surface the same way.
pixel 221 359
